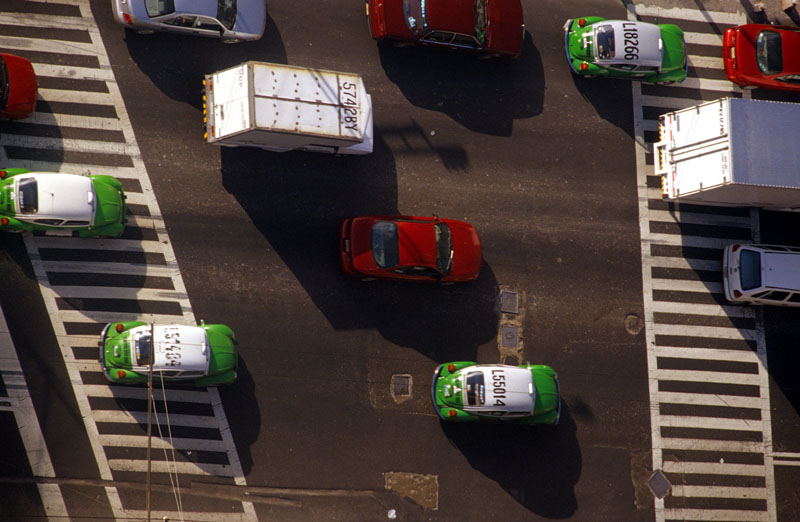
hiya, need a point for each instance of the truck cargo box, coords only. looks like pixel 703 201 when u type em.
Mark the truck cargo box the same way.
pixel 731 151
pixel 283 107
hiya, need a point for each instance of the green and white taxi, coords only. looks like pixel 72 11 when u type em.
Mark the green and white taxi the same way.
pixel 91 205
pixel 625 49
pixel 204 355
pixel 464 391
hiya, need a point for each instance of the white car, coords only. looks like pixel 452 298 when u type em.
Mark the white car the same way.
pixel 761 274
pixel 230 20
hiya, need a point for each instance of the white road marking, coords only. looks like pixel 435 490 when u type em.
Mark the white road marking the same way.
pixel 707 354
pixel 707 377
pixel 751 470
pixel 716 515
pixel 718 492
pixel 160 466
pixel 708 310
pixel 712 445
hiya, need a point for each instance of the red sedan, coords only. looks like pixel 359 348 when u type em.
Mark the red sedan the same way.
pixel 492 27
pixel 410 248
pixel 765 56
pixel 18 87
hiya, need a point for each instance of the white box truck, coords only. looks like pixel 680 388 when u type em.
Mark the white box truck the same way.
pixel 282 107
pixel 731 151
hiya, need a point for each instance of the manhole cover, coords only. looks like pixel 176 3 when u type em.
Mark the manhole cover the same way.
pixel 633 324
pixel 401 386
pixel 659 484
pixel 509 302
pixel 509 336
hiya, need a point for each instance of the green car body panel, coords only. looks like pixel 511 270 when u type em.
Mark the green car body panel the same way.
pixel 104 215
pixel 203 355
pixel 463 391
pixel 644 52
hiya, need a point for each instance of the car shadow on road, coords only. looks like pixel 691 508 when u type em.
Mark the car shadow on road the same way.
pixel 485 96
pixel 297 200
pixel 610 97
pixel 537 465
pixel 176 64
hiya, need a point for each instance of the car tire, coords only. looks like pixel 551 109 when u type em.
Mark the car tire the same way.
pixel 145 31
pixel 664 83
pixel 589 76
pixel 230 41
pixel 367 279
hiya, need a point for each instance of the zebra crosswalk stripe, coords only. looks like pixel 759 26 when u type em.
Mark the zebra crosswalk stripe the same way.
pixel 709 398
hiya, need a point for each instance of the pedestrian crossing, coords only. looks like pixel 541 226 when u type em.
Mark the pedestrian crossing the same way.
pixel 708 381
pixel 81 125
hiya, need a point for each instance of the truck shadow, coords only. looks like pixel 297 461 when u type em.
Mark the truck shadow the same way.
pixel 485 96
pixel 537 465
pixel 296 200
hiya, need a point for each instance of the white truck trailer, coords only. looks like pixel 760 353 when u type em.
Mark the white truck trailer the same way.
pixel 281 107
pixel 731 151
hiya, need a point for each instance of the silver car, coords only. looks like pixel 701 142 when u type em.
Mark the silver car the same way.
pixel 230 20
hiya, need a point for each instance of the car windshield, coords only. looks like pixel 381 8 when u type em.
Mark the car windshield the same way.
pixel 480 20
pixel 750 269
pixel 474 389
pixel 226 13
pixel 415 16
pixel 444 248
pixel 3 84
pixel 142 343
pixel 604 42
pixel 385 246
pixel 159 7
pixel 768 52
pixel 28 195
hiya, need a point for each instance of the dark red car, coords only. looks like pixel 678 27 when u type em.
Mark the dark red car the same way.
pixel 411 248
pixel 765 56
pixel 18 87
pixel 492 27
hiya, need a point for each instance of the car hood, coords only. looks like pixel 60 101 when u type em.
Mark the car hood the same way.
pixel 575 43
pixel 224 352
pixel 505 26
pixel 251 17
pixel 110 205
pixel 468 252
pixel 449 390
pixel 547 394
pixel 22 85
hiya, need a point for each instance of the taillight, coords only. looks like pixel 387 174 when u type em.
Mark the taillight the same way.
pixel 584 66
pixel 452 413
pixel 451 368
pixel 581 22
pixel 119 327
pixel 120 374
pixel 127 18
pixel 3 174
pixel 734 248
pixel 4 221
pixel 737 294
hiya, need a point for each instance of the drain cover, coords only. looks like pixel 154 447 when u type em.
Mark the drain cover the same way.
pixel 401 386
pixel 509 302
pixel 510 336
pixel 659 484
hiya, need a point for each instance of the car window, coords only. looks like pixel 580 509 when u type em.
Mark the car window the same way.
pixel 142 343
pixel 624 66
pixel 465 41
pixel 181 21
pixel 439 37
pixel 385 245
pixel 28 195
pixel 789 78
pixel 444 247
pixel 769 55
pixel 159 7
pixel 50 222
pixel 73 223
pixel 226 13
pixel 208 24
pixel 750 269
pixel 415 16
pixel 604 42
pixel 168 373
pixel 480 20
pixel 795 298
pixel 474 389
pixel 421 271
pixel 776 296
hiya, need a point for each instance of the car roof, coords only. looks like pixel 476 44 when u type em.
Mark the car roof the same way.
pixel 64 196
pixel 197 7
pixel 188 343
pixel 648 37
pixel 780 270
pixel 457 16
pixel 517 394
pixel 416 243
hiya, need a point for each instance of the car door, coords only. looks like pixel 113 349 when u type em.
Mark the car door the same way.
pixel 182 24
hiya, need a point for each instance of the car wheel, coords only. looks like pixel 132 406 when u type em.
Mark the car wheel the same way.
pixel 145 31
pixel 664 83
pixel 367 279
pixel 590 76
pixel 230 41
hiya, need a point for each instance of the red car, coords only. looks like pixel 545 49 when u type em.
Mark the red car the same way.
pixel 410 248
pixel 492 27
pixel 18 87
pixel 765 56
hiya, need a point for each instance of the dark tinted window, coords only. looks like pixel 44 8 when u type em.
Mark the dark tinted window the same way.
pixel 414 16
pixel 226 13
pixel 143 343
pixel 604 42
pixel 159 7
pixel 776 296
pixel 750 269
pixel 795 298
pixel 76 223
pixel 3 84
pixel 769 54
pixel 181 21
pixel 385 248
pixel 439 37
pixel 475 394
pixel 51 222
pixel 444 248
pixel 28 195
pixel 789 78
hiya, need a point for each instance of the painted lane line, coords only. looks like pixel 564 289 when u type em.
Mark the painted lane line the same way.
pixel 84 97
pixel 709 377
pixel 685 215
pixel 248 516
pixel 136 392
pixel 751 470
pixel 108 268
pixel 13 43
pixel 102 318
pixel 709 39
pixel 104 244
pixel 704 62
pixel 111 292
pixel 688 240
pixel 74 73
pixel 686 286
pixel 140 417
pixel 688 263
pixel 66 145
pixel 46 21
pixel 140 441
pixel 75 122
